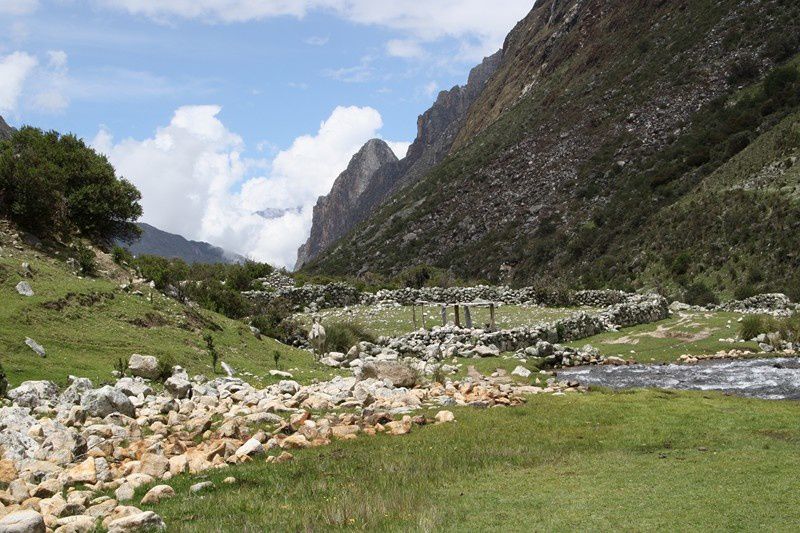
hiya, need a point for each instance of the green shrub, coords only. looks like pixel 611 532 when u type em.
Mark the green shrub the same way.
pixel 752 326
pixel 3 382
pixel 341 336
pixel 165 365
pixel 780 81
pixel 212 351
pixel 783 45
pixel 745 291
pixel 698 293
pixel 86 260
pixel 121 256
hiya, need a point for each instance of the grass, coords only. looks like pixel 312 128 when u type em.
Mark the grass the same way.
pixel 85 335
pixel 644 460
pixel 667 340
pixel 395 321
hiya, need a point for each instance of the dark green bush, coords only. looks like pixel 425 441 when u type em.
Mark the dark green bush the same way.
pixel 86 260
pixel 783 45
pixel 55 186
pixel 341 336
pixel 780 81
pixel 215 296
pixel 698 293
pixel 745 291
pixel 274 320
pixel 121 256
pixel 165 365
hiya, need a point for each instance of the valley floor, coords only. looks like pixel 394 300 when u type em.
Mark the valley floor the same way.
pixel 633 461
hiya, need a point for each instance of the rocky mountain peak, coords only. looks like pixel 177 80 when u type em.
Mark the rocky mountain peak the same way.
pixel 5 129
pixel 335 213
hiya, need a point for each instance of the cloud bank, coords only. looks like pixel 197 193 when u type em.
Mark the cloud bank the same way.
pixel 195 180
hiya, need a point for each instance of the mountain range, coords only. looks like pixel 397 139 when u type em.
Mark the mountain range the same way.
pixel 154 241
pixel 610 143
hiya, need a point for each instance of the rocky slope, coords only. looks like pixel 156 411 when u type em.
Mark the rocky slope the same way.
pixel 161 243
pixel 335 214
pixel 5 129
pixel 602 117
pixel 341 210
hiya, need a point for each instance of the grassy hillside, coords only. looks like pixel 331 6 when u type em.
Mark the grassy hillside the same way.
pixel 624 461
pixel 87 324
pixel 584 161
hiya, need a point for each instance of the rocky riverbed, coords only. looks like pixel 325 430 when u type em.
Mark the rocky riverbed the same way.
pixel 770 378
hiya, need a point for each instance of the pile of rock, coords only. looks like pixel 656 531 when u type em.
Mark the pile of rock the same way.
pixel 551 356
pixel 763 304
pixel 62 450
pixel 277 281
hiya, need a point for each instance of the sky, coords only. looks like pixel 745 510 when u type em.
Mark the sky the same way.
pixel 219 109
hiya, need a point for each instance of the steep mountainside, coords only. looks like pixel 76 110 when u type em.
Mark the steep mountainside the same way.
pixel 5 129
pixel 340 211
pixel 157 242
pixel 335 214
pixel 603 118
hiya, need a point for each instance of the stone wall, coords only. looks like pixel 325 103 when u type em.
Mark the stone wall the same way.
pixel 637 309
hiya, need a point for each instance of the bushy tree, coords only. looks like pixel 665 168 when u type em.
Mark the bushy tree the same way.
pixel 54 185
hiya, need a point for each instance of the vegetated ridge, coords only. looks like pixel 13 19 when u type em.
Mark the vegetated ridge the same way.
pixel 625 144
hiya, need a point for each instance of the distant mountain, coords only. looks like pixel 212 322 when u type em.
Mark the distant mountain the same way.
pixel 5 129
pixel 335 214
pixel 157 242
pixel 363 187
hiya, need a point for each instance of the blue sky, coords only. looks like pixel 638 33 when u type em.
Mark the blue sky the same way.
pixel 285 91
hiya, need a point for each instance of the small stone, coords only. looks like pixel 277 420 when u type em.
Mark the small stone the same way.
pixel 444 416
pixel 158 493
pixel 36 347
pixel 521 371
pixel 198 487
pixel 251 448
pixel 144 521
pixel 24 288
pixel 230 480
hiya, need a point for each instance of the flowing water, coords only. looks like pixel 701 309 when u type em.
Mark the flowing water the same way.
pixel 772 379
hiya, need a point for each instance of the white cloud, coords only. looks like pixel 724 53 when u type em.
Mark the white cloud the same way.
pixel 15 69
pixel 405 48
pixel 356 74
pixel 480 26
pixel 430 89
pixel 195 181
pixel 18 7
pixel 317 40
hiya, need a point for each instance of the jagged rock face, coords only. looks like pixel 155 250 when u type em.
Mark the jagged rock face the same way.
pixel 335 213
pixel 5 129
pixel 361 194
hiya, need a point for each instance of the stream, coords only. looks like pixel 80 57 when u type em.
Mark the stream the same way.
pixel 770 379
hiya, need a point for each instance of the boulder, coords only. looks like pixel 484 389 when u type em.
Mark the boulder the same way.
pixel 144 521
pixel 288 387
pixel 32 393
pixel 133 387
pixel 143 366
pixel 27 521
pixel 107 400
pixel 178 387
pixel 84 472
pixel 198 487
pixel 398 374
pixel 76 524
pixel 77 387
